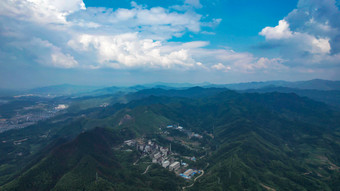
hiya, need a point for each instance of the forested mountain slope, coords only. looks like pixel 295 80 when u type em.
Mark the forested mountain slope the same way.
pixel 250 141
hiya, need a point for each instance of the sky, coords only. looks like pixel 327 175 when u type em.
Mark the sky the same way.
pixel 110 42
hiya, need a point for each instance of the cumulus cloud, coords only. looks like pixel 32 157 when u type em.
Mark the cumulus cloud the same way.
pixel 281 31
pixel 241 62
pixel 274 63
pixel 255 65
pixel 50 55
pixel 303 41
pixel 69 35
pixel 310 34
pixel 101 37
pixel 155 22
pixel 261 64
pixel 220 66
pixel 41 11
pixel 130 51
pixel 318 18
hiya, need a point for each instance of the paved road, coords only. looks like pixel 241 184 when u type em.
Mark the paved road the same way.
pixel 199 176
pixel 136 162
pixel 146 170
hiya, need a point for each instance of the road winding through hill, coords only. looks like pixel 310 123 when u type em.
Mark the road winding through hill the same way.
pixel 136 162
pixel 146 170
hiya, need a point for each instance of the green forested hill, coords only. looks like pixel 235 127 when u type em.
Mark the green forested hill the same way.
pixel 89 163
pixel 256 142
pixel 330 97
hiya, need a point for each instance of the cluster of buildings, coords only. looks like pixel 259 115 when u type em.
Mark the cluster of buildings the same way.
pixel 162 156
pixel 104 105
pixel 22 121
pixel 188 132
pixel 25 117
pixel 175 127
pixel 195 135
pixel 61 107
pixel 157 153
pixel 188 174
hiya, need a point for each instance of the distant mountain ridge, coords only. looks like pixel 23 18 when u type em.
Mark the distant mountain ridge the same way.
pixel 79 90
pixel 316 84
pixel 61 90
pixel 330 97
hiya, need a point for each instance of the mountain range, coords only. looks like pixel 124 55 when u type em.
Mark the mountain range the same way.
pixel 68 89
pixel 250 140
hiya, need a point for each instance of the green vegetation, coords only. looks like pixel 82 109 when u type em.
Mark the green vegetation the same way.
pixel 249 141
pixel 88 163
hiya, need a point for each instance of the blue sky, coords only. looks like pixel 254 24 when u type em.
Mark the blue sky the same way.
pixel 107 42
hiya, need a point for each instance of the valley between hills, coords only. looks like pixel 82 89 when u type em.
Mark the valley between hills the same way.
pixel 176 139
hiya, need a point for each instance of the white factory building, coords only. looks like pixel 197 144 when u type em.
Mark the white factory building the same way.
pixel 174 166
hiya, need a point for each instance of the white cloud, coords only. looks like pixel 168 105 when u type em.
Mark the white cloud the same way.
pixel 261 64
pixel 188 5
pixel 41 11
pixel 199 64
pixel 110 34
pixel 254 65
pixel 156 22
pixel 194 3
pixel 61 60
pixel 309 35
pixel 281 31
pixel 303 41
pixel 320 45
pixel 50 55
pixel 195 44
pixel 123 38
pixel 274 63
pixel 214 23
pixel 240 62
pixel 220 66
pixel 130 51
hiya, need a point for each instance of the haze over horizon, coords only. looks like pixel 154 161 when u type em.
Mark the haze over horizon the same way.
pixel 43 42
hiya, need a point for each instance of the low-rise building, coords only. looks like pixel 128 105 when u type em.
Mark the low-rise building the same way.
pixel 174 166
pixel 130 142
pixel 157 155
pixel 154 160
pixel 188 172
pixel 147 148
pixel 164 151
pixel 165 164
